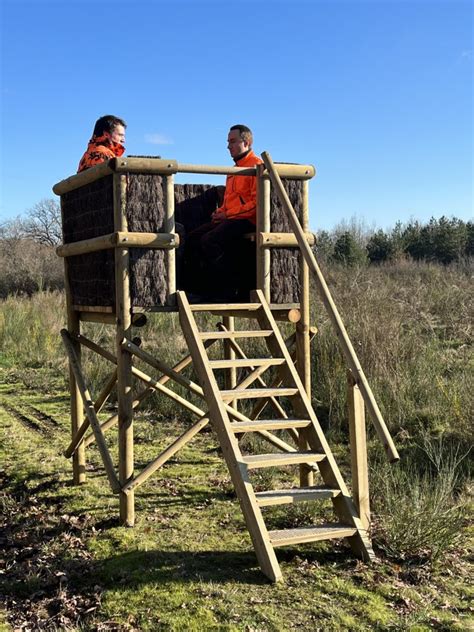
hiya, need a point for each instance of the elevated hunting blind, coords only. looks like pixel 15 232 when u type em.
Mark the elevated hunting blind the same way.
pixel 123 222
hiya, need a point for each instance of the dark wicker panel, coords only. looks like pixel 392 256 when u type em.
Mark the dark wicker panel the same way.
pixel 285 282
pixel 88 212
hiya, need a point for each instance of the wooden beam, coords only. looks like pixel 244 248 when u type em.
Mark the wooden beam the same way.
pixel 293 172
pixel 282 240
pixel 83 178
pixel 119 239
pixel 166 455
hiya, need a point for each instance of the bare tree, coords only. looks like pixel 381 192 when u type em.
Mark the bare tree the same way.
pixel 28 261
pixel 43 223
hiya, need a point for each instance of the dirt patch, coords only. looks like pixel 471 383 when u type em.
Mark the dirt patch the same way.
pixel 36 420
pixel 46 571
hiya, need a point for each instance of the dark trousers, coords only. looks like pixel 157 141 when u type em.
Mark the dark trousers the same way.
pixel 218 262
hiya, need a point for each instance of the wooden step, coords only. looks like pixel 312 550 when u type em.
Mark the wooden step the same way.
pixel 329 531
pixel 255 461
pixel 226 335
pixel 246 362
pixel 296 495
pixel 256 393
pixel 224 307
pixel 268 424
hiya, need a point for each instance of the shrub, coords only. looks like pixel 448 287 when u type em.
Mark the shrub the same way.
pixel 417 514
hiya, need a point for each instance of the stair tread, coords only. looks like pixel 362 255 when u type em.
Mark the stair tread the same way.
pixel 224 335
pixel 327 531
pixel 224 307
pixel 246 362
pixel 253 393
pixel 297 494
pixel 281 458
pixel 268 424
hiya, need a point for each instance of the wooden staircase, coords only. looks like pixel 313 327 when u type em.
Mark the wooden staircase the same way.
pixel 229 423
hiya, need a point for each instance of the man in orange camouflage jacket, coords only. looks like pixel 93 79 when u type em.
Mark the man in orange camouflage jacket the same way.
pixel 106 142
pixel 213 268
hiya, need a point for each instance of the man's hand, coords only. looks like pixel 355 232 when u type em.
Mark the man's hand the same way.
pixel 218 216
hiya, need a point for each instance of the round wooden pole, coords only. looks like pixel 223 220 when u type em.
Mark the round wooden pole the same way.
pixel 170 228
pixel 303 352
pixel 263 226
pixel 124 360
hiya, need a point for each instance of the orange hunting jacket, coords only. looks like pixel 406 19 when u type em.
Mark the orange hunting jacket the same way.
pixel 100 149
pixel 240 197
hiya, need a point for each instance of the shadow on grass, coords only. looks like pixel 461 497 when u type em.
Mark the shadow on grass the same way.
pixel 136 568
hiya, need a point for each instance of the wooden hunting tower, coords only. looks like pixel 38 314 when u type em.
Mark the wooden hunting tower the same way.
pixel 120 243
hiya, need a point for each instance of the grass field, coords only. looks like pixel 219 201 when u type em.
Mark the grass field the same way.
pixel 189 564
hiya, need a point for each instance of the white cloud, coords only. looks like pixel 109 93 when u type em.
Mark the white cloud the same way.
pixel 158 139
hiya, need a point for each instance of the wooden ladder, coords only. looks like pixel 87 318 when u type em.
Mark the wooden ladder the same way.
pixel 228 423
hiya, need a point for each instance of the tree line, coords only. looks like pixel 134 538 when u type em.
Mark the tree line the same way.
pixel 445 240
pixel 28 262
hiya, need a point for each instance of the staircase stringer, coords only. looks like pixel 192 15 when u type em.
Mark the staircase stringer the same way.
pixel 343 504
pixel 230 448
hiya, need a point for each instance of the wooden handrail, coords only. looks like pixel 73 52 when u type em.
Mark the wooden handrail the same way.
pixel 346 345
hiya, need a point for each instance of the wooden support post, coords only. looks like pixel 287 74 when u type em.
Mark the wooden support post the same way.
pixel 170 228
pixel 263 225
pixel 303 351
pixel 76 407
pixel 229 354
pixel 124 359
pixel 359 466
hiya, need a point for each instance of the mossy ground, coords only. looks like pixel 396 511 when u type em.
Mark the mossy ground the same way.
pixel 188 564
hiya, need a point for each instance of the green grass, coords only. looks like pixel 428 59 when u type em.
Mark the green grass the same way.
pixel 188 564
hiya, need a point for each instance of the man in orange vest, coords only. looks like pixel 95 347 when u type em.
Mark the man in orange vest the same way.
pixel 106 142
pixel 213 266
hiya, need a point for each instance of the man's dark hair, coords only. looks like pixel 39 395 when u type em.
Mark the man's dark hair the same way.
pixel 107 123
pixel 245 133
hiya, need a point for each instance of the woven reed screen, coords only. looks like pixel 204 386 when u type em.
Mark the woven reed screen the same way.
pixel 87 212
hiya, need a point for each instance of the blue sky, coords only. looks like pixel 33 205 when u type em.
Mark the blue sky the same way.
pixel 376 94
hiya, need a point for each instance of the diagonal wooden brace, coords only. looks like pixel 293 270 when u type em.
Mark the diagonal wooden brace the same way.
pixel 90 411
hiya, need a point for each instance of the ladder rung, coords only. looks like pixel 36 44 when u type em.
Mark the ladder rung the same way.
pixel 268 424
pixel 283 537
pixel 246 362
pixel 281 458
pixel 224 307
pixel 299 494
pixel 226 335
pixel 254 393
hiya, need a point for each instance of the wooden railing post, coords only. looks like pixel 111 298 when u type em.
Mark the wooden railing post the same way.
pixel 263 226
pixel 303 352
pixel 358 442
pixel 124 359
pixel 170 228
